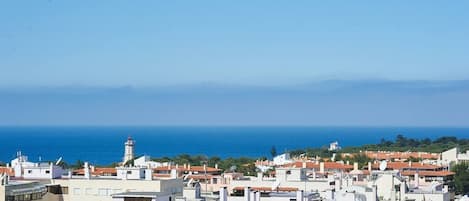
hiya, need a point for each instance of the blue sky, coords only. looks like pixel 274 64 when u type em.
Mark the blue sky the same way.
pixel 152 43
pixel 354 63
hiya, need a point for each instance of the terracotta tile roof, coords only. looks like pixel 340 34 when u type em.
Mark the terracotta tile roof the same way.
pixel 406 165
pixel 268 189
pixel 198 176
pixel 97 171
pixel 366 172
pixel 428 173
pixel 192 168
pixel 265 163
pixel 386 155
pixel 161 175
pixel 9 171
pixel 327 165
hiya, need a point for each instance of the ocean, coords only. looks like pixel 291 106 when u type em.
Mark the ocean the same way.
pixel 104 145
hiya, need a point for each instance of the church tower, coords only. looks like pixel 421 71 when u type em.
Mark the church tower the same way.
pixel 129 150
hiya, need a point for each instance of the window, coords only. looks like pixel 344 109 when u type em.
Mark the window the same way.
pixel 129 172
pixel 30 171
pixel 64 190
pixel 88 191
pixel 104 192
pixel 115 191
pixel 35 196
pixel 288 172
pixel 47 171
pixel 76 191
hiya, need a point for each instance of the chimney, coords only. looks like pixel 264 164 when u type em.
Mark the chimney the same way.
pixel 369 167
pixel 402 190
pixel 259 176
pixel 321 167
pixel 410 163
pixel 304 164
pixel 3 179
pixel 174 174
pixel 223 194
pixel 51 169
pixel 355 166
pixel 92 168
pixel 188 167
pixel 253 195
pixel 185 166
pixel 69 174
pixel 247 194
pixel 216 165
pixel 177 166
pixel 87 170
pixel 348 162
pixel 148 174
pixel 416 178
pixel 299 195
pixel 375 193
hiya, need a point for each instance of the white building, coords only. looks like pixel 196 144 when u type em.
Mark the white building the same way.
pixel 334 146
pixel 20 190
pixel 282 159
pixel 127 184
pixel 29 170
pixel 354 193
pixel 104 189
pixel 145 161
pixel 144 196
pixel 454 155
pixel 250 194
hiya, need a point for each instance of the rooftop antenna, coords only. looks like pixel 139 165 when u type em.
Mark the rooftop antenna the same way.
pixel 383 165
pixel 58 161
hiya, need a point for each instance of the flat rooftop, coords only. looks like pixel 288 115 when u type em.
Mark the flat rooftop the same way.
pixel 140 194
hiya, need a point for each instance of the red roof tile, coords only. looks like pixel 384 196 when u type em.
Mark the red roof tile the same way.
pixel 192 168
pixel 428 173
pixel 402 165
pixel 7 170
pixel 327 165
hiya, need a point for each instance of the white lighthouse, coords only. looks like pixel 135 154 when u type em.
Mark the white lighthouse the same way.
pixel 129 150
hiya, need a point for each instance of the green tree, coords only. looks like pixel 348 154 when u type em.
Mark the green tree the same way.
pixel 401 141
pixel 273 151
pixel 79 164
pixel 361 159
pixel 461 178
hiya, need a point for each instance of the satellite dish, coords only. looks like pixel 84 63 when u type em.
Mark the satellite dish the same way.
pixel 383 165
